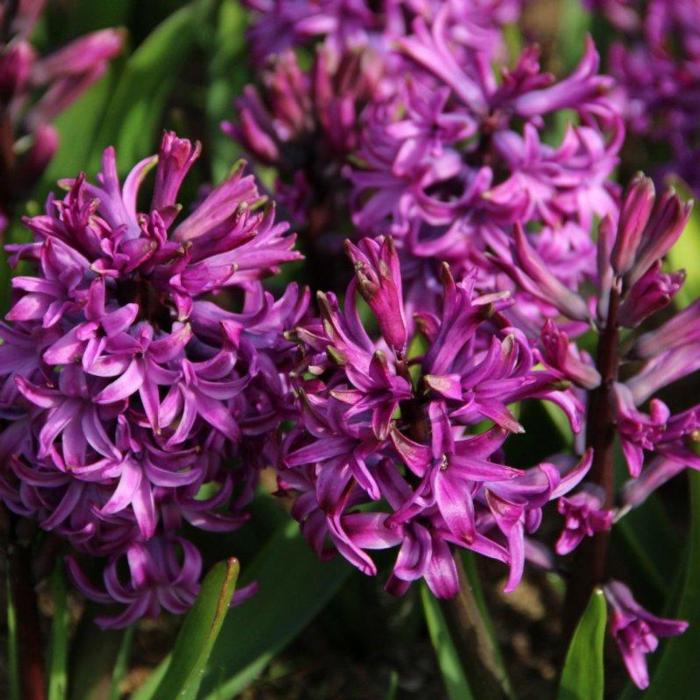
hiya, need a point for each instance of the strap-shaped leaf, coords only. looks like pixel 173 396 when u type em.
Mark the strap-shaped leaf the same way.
pixel 135 111
pixel 456 683
pixel 677 676
pixel 583 676
pixel 198 634
pixel 293 587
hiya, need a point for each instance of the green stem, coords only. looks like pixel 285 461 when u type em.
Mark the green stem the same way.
pixel 473 643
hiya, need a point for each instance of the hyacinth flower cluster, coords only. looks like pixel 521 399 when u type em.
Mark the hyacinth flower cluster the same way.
pixel 279 25
pixel 27 138
pixel 142 365
pixel 403 448
pixel 459 156
pixel 438 150
pixel 637 356
pixel 308 124
pixel 656 61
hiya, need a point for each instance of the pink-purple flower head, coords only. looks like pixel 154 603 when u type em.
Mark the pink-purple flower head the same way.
pixel 348 24
pixel 455 158
pixel 134 386
pixel 632 287
pixel 391 449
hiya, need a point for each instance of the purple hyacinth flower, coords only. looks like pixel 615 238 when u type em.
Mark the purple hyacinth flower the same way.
pixel 379 283
pixel 637 631
pixel 386 451
pixel 584 516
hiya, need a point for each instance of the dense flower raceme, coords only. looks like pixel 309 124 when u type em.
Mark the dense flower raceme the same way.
pixel 656 59
pixel 30 141
pixel 636 358
pixel 348 24
pixel 632 287
pixel 133 399
pixel 417 138
pixel 457 157
pixel 403 449
pixel 307 123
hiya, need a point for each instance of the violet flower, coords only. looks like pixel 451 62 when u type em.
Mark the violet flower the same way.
pixel 134 383
pixel 584 516
pixel 637 631
pixel 450 176
pixel 655 60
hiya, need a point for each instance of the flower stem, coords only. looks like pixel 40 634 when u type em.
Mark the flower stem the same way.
pixel 29 642
pixel 473 643
pixel 591 560
pixel 470 636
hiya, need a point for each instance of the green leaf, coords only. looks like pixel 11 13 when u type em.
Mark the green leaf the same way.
pixel 77 128
pixel 12 651
pixel 134 112
pixel 678 673
pixel 393 686
pixel 293 587
pixel 574 24
pixel 583 675
pixel 58 645
pixel 121 664
pixel 227 76
pixel 685 254
pixel 198 634
pixel 452 673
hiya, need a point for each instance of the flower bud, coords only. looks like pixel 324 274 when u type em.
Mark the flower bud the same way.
pixel 15 67
pixel 634 216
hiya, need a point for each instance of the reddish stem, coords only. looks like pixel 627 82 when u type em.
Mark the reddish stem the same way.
pixel 30 649
pixel 591 560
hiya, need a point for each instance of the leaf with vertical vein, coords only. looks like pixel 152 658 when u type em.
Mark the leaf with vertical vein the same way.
pixel 198 634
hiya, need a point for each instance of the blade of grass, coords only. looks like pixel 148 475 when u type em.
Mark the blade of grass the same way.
pixel 121 665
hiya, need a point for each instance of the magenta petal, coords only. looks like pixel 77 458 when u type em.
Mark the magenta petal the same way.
pixel 129 482
pixel 129 383
pixel 144 509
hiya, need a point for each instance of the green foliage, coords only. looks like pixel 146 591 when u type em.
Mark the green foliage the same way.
pixel 293 587
pixel 583 675
pixel 227 75
pixel 12 657
pixel 685 254
pixel 198 634
pixel 58 643
pixel 134 112
pixel 456 683
pixel 677 676
pixel 121 664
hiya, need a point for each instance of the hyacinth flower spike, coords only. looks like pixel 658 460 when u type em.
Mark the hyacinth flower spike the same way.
pixel 444 484
pixel 141 389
